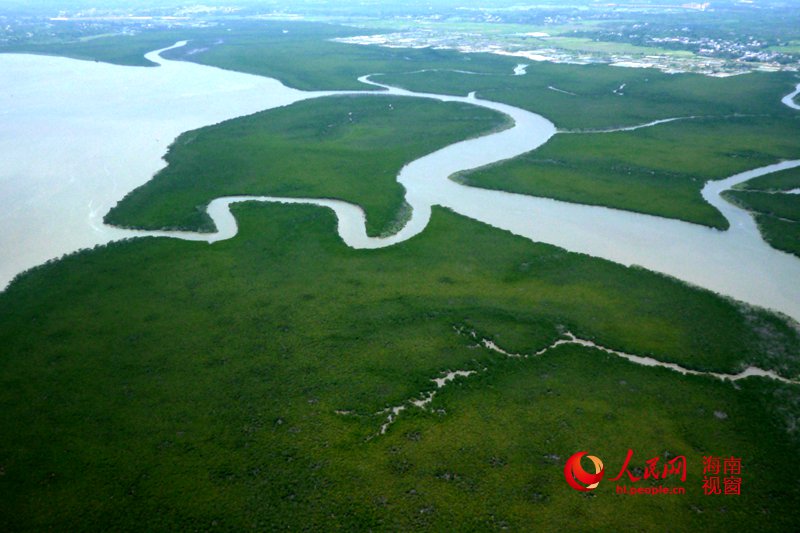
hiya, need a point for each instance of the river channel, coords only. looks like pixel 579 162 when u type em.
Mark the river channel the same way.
pixel 76 136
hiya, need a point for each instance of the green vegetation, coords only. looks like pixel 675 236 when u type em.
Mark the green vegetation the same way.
pixel 785 206
pixel 648 94
pixel 654 171
pixel 345 147
pixel 781 234
pixel 777 215
pixel 300 54
pixel 785 180
pixel 118 49
pixel 738 123
pixel 158 384
pixel 304 58
pixel 658 170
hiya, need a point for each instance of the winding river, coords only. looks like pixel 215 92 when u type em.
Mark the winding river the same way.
pixel 789 99
pixel 70 154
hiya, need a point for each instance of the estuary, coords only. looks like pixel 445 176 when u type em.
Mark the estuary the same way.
pixel 76 136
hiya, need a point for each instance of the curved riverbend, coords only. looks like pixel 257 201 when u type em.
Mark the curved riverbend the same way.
pixel 736 263
pixel 741 221
pixel 789 98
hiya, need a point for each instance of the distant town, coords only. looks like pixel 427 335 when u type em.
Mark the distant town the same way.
pixel 712 64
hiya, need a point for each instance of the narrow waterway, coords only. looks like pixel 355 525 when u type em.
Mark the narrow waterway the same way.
pixel 789 99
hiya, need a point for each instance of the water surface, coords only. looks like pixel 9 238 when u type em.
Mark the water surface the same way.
pixel 76 136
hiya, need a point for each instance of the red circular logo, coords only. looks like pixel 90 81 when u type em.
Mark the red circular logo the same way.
pixel 575 474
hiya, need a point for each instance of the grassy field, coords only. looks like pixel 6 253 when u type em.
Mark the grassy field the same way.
pixel 157 384
pixel 345 147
